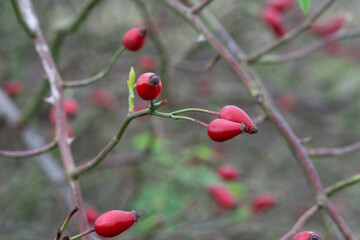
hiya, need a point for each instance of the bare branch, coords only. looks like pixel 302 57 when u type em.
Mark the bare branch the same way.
pixel 28 153
pixel 334 151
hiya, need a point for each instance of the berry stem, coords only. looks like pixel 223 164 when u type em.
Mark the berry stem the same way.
pixel 69 216
pixel 185 110
pixel 91 230
pixel 29 153
pixel 176 117
pixel 97 77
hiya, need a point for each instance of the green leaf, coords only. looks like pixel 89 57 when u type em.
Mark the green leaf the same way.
pixel 131 86
pixel 305 5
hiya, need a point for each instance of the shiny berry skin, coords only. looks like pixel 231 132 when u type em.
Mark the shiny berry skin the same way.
pixel 307 235
pixel 134 38
pixel 102 98
pixel 113 223
pixel 221 130
pixel 146 63
pixel 222 196
pixel 13 88
pixel 228 172
pixel 148 86
pixel 236 114
pixel 330 27
pixel 281 5
pixel 91 214
pixel 263 202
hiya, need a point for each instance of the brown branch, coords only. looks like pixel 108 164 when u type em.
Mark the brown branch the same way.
pixel 307 49
pixel 28 153
pixel 200 6
pixel 333 151
pixel 254 57
pixel 265 101
pixel 30 18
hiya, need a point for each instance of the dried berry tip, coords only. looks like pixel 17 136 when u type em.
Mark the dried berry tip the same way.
pixel 253 130
pixel 163 102
pixel 315 236
pixel 154 80
pixel 143 31
pixel 243 128
pixel 136 215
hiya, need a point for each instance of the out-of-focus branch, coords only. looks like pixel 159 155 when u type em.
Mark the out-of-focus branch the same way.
pixel 28 153
pixel 200 6
pixel 30 18
pixel 333 151
pixel 256 56
pixel 97 77
pixel 301 52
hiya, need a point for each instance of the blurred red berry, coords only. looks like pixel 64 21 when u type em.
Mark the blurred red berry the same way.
pixel 228 172
pixel 273 19
pixel 71 107
pixel 263 202
pixel 146 63
pixel 13 88
pixel 91 214
pixel 113 223
pixel 203 86
pixel 286 101
pixel 332 26
pixel 307 235
pixel 281 5
pixel 102 98
pixel 134 38
pixel 222 196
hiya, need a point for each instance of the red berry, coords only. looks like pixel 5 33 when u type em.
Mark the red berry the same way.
pixel 13 88
pixel 272 17
pixel 228 172
pixel 330 27
pixel 281 5
pixel 148 86
pixel 286 101
pixel 222 196
pixel 236 114
pixel 203 86
pixel 91 214
pixel 307 235
pixel 146 63
pixel 263 202
pixel 221 130
pixel 102 98
pixel 113 223
pixel 134 38
pixel 71 109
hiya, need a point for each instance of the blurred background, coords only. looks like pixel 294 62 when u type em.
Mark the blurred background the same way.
pixel 163 168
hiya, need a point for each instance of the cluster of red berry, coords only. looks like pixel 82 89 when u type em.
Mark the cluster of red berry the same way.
pixel 232 122
pixel 272 15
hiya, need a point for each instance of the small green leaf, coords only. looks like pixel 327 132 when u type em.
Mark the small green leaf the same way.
pixel 132 75
pixel 305 5
pixel 131 86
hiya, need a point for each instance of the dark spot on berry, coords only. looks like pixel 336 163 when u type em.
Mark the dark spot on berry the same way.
pixel 314 236
pixel 154 80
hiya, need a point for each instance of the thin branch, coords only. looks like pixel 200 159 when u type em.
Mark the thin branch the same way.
pixel 331 190
pixel 254 57
pixel 200 6
pixel 301 52
pixel 333 151
pixel 29 153
pixel 300 222
pixel 68 218
pixel 97 77
pixel 19 18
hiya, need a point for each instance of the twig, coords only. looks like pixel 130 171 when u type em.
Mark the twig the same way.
pixel 201 5
pixel 29 153
pixel 300 222
pixel 254 57
pixel 97 77
pixel 21 21
pixel 331 190
pixel 83 234
pixel 333 151
pixel 301 52
pixel 67 219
